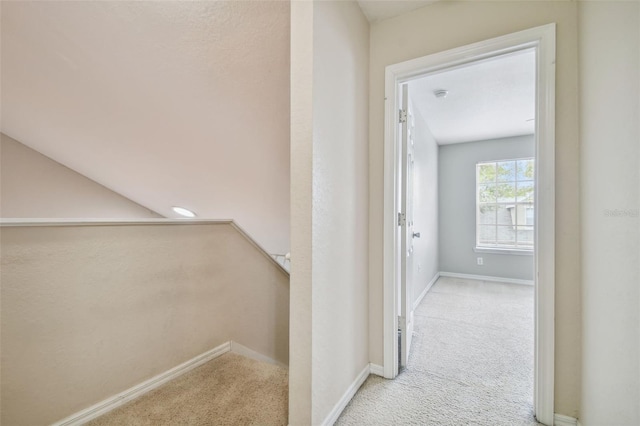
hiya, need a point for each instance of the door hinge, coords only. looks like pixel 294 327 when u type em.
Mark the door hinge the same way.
pixel 403 116
pixel 402 219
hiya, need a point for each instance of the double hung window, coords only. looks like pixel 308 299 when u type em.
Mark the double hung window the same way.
pixel 505 213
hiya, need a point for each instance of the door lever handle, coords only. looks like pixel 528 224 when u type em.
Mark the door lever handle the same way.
pixel 416 235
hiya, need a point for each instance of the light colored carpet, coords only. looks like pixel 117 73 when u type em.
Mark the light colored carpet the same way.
pixel 471 362
pixel 228 390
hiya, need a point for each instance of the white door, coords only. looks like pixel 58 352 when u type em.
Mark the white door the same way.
pixel 405 319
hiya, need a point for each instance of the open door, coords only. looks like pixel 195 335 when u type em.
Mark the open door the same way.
pixel 405 222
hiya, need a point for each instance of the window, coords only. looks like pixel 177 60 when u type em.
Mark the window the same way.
pixel 505 208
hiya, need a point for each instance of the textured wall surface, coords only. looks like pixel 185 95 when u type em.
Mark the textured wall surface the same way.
pixel 89 311
pixel 447 25
pixel 329 283
pixel 610 154
pixel 34 186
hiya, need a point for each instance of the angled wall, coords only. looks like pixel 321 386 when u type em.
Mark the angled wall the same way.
pixel 35 186
pixel 90 311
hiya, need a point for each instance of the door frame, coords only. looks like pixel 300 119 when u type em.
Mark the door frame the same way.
pixel 543 40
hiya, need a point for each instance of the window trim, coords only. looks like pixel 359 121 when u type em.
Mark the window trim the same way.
pixel 516 250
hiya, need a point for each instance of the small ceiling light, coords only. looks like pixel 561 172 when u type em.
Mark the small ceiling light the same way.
pixel 184 212
pixel 531 119
pixel 441 93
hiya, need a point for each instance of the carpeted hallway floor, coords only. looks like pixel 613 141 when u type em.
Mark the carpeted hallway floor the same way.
pixel 228 390
pixel 471 362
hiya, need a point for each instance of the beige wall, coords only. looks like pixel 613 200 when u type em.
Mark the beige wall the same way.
pixel 330 52
pixel 446 25
pixel 610 154
pixel 35 186
pixel 89 311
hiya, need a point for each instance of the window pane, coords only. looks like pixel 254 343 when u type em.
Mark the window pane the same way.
pixel 505 214
pixel 506 192
pixel 526 170
pixel 487 214
pixel 486 234
pixel 487 193
pixel 486 173
pixel 525 235
pixel 525 192
pixel 506 171
pixel 529 214
pixel 506 235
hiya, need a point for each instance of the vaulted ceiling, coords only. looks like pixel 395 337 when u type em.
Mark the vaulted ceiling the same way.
pixel 166 103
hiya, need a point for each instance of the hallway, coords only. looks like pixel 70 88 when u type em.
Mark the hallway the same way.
pixel 471 361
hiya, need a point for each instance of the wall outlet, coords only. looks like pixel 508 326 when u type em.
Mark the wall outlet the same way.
pixel 480 261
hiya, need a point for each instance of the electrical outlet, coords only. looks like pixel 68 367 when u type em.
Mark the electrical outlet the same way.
pixel 480 261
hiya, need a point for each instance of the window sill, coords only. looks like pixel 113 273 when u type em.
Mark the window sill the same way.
pixel 503 251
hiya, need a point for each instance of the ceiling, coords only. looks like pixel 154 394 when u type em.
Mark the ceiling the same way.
pixel 166 103
pixel 378 10
pixel 491 99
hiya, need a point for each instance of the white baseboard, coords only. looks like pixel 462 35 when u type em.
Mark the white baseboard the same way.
pixel 376 369
pixel 562 420
pixel 122 398
pixel 250 353
pixel 486 278
pixel 346 397
pixel 426 290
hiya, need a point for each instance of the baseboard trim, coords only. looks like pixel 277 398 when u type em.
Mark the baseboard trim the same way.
pixel 486 278
pixel 376 369
pixel 426 290
pixel 239 349
pixel 562 420
pixel 346 397
pixel 122 398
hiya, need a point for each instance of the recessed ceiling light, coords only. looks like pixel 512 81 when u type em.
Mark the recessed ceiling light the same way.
pixel 531 119
pixel 184 212
pixel 441 93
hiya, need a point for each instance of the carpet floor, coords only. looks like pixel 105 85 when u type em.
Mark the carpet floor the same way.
pixel 471 362
pixel 228 390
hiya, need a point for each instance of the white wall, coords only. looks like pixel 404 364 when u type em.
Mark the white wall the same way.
pixel 446 25
pixel 35 186
pixel 89 311
pixel 329 67
pixel 610 155
pixel 425 199
pixel 457 203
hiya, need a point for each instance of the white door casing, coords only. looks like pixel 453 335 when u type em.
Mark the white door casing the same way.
pixel 542 39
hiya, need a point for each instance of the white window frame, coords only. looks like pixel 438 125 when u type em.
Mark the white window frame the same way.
pixel 505 248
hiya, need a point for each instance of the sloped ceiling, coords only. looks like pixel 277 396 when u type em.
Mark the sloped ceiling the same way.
pixel 166 103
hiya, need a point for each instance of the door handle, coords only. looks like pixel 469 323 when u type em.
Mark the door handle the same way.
pixel 416 235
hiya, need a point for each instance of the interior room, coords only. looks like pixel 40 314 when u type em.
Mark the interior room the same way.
pixel 199 220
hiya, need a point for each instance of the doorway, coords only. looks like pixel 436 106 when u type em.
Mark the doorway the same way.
pixel 399 232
